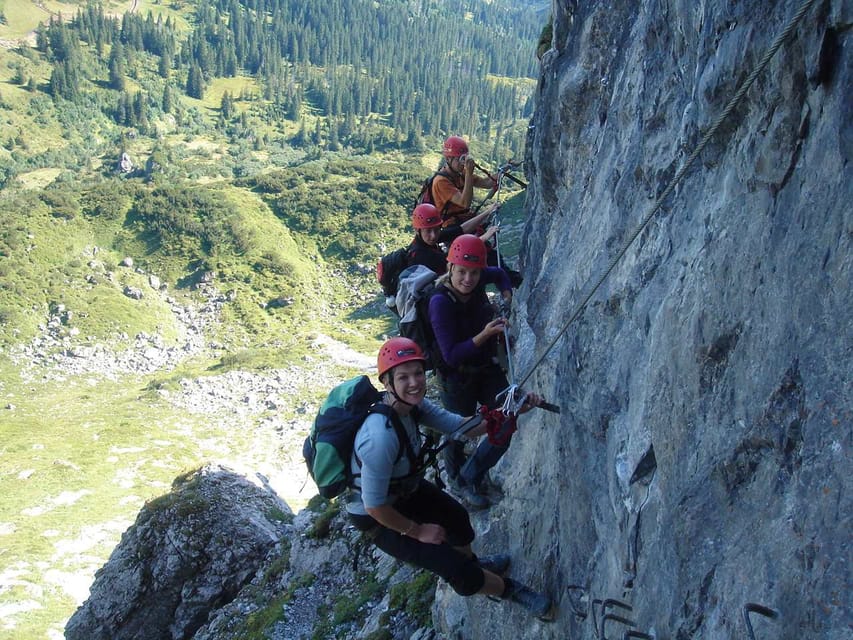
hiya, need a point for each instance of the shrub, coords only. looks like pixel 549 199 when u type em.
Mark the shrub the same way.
pixel 184 220
pixel 8 316
pixel 415 597
pixel 273 262
pixel 107 200
pixel 62 203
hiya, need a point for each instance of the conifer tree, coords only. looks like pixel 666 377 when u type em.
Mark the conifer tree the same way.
pixel 226 106
pixel 333 143
pixel 195 81
pixel 166 101
pixel 301 138
pixel 116 67
pixel 164 64
pixel 318 132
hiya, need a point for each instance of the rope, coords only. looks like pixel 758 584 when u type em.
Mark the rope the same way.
pixel 780 39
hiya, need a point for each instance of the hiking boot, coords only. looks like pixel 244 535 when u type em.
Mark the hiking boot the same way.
pixel 536 603
pixel 473 499
pixel 490 488
pixel 497 563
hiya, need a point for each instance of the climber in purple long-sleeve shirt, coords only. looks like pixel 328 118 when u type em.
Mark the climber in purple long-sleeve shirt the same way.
pixel 467 333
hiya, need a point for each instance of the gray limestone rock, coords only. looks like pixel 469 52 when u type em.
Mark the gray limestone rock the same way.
pixel 188 553
pixel 701 459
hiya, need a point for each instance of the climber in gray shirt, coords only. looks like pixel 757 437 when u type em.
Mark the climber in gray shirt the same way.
pixel 403 514
pixel 376 456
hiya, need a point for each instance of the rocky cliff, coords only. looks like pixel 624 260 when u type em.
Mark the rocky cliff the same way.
pixel 221 557
pixel 189 552
pixel 697 482
pixel 702 458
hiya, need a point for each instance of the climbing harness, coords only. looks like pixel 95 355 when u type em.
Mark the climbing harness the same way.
pixel 735 100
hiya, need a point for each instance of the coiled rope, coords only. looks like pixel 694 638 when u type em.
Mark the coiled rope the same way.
pixel 735 100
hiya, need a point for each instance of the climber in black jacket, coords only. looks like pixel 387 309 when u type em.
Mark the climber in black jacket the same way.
pixel 426 248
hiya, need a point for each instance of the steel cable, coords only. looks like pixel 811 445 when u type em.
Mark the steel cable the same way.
pixel 735 100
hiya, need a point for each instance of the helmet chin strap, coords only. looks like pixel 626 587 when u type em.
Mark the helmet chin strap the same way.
pixel 400 400
pixel 393 392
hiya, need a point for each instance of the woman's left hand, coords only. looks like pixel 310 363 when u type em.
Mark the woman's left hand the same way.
pixel 532 400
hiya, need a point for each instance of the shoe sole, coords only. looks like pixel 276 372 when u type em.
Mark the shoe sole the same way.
pixel 476 507
pixel 549 615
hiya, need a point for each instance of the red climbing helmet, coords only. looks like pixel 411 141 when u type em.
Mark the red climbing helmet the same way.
pixel 467 251
pixel 397 351
pixel 454 147
pixel 425 216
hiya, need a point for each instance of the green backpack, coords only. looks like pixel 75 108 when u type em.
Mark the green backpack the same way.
pixel 328 448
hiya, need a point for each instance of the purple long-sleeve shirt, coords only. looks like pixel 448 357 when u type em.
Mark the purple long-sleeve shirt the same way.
pixel 456 323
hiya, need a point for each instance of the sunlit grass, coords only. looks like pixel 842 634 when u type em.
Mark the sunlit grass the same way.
pixel 78 461
pixel 235 86
pixel 39 178
pixel 22 17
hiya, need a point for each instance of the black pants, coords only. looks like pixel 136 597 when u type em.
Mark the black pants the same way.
pixel 430 505
pixel 460 393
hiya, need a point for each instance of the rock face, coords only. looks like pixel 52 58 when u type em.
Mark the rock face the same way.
pixel 701 460
pixel 189 552
pixel 221 557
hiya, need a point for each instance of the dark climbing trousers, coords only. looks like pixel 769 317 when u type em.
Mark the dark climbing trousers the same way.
pixel 430 505
pixel 460 392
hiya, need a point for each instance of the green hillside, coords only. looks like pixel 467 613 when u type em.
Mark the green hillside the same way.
pixel 234 180
pixel 275 153
pixel 229 89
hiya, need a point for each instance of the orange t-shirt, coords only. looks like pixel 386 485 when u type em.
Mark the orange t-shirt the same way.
pixel 443 189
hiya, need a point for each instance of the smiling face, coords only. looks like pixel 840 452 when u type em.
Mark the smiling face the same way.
pixel 464 279
pixel 407 381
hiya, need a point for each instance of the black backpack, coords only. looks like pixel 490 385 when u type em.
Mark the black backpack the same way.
pixel 388 270
pixel 328 448
pixel 425 196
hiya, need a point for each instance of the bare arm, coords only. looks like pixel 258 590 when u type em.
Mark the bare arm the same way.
pixel 470 225
pixel 484 182
pixel 463 198
pixel 488 233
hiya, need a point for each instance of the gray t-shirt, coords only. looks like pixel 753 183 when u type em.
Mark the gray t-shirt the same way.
pixel 378 448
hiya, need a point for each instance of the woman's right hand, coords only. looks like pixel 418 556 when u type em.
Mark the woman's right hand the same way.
pixel 429 533
pixel 495 327
pixel 488 233
pixel 469 164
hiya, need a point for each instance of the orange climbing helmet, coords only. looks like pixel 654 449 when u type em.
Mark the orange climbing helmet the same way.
pixel 425 216
pixel 454 147
pixel 468 251
pixel 397 351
